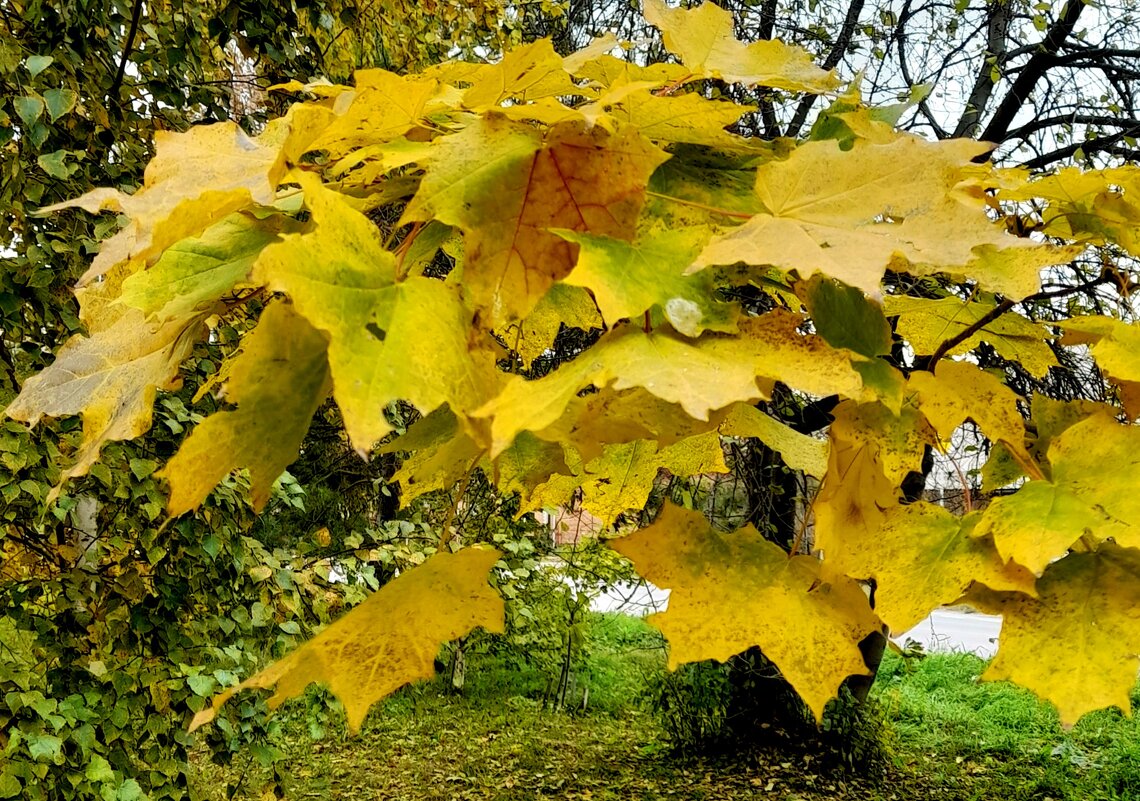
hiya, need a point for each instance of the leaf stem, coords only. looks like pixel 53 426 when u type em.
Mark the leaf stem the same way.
pixel 739 215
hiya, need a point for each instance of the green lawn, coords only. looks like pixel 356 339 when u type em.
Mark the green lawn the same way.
pixel 943 735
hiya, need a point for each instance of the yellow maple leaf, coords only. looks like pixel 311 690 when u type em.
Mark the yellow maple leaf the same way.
pixel 855 493
pixel 1095 206
pixel 561 305
pixel 610 417
pixel 922 557
pixel 524 74
pixel 854 214
pixel 705 41
pixel 441 453
pixel 111 378
pixel 707 373
pixel 265 432
pixel 957 391
pixel 623 476
pixel 1115 345
pixel 389 640
pixel 799 451
pixel 1043 519
pixel 342 280
pixel 384 106
pixel 730 592
pixel 195 179
pixel 1075 645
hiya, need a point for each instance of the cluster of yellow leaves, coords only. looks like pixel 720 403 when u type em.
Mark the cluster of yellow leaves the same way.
pixel 594 193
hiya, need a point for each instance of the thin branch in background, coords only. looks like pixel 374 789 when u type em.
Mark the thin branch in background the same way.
pixel 128 46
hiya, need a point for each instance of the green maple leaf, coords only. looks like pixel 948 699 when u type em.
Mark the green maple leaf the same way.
pixel 629 278
pixel 191 275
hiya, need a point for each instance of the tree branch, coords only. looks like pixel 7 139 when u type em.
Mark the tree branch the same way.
pixel 838 50
pixel 1003 307
pixel 1099 144
pixel 900 38
pixel 1037 65
pixel 997 32
pixel 1024 131
pixel 113 95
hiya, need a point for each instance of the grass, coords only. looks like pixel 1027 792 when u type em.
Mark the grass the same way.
pixel 945 736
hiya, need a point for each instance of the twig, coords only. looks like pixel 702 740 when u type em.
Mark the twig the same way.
pixel 113 95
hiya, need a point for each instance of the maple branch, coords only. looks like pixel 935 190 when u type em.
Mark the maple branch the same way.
pixel 838 50
pixel 1005 306
pixel 767 30
pixel 1034 69
pixel 1023 131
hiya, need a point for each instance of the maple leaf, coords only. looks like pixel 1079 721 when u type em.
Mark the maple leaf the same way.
pixel 1043 519
pixel 688 118
pixel 921 557
pixel 569 178
pixel 1114 344
pixel 440 455
pixel 799 451
pixel 608 71
pixel 1096 206
pixel 598 47
pixel 1076 644
pixel 730 592
pixel 856 492
pixel 194 273
pixel 529 461
pixel 854 214
pixel 384 107
pixel 958 391
pixel 926 324
pixel 701 375
pixel 610 417
pixel 704 39
pixel 845 317
pixel 194 180
pixel 561 305
pixel 111 378
pixel 265 432
pixel 629 278
pixel 389 640
pixel 524 74
pixel 623 476
pixel 387 341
